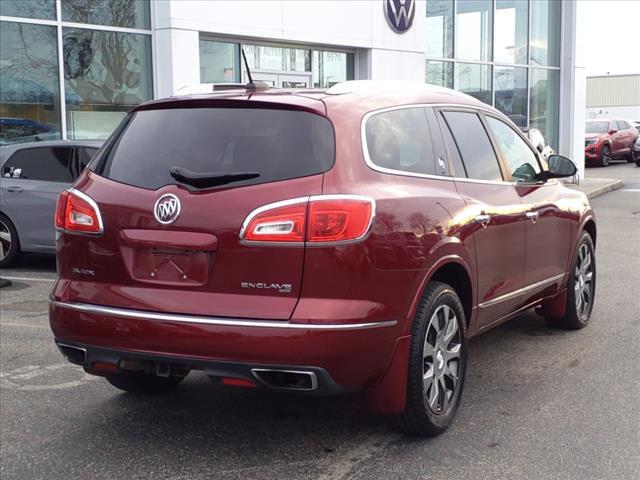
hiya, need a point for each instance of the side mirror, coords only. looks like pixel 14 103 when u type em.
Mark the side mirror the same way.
pixel 612 131
pixel 559 167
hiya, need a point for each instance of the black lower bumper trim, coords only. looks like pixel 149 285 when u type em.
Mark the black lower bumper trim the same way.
pixel 213 368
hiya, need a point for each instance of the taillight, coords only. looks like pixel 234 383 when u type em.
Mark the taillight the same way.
pixel 316 220
pixel 76 212
pixel 277 222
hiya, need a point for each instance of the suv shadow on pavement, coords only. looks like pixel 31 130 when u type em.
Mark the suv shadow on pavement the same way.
pixel 211 427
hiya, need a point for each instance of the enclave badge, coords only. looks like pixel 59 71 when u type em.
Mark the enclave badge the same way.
pixel 167 209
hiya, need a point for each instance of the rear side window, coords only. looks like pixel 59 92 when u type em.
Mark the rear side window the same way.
pixel 52 164
pixel 276 144
pixel 400 140
pixel 477 153
pixel 622 125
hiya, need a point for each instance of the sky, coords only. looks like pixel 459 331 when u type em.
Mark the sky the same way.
pixel 608 38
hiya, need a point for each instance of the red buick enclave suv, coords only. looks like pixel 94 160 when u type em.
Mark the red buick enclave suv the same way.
pixel 315 241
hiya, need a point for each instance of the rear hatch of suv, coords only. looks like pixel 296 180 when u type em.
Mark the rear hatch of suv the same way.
pixel 173 186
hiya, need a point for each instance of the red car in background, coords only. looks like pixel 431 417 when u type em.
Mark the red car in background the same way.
pixel 608 139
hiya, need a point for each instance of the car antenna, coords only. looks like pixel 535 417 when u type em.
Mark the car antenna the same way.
pixel 246 67
pixel 251 85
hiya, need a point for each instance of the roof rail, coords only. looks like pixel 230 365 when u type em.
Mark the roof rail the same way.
pixel 204 88
pixel 366 86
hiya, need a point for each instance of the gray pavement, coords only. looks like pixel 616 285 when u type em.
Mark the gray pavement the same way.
pixel 539 403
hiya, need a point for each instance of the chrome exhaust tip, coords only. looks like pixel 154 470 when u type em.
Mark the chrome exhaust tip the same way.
pixel 298 380
pixel 73 354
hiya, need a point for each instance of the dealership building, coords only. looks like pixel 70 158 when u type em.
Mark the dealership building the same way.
pixel 72 68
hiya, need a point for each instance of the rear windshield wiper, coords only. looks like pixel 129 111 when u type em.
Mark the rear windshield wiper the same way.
pixel 208 179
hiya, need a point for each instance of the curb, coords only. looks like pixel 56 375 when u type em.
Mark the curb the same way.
pixel 609 187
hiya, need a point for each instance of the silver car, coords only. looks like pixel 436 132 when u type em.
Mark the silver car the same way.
pixel 32 175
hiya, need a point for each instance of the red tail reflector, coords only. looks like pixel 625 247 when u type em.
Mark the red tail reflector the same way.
pixel 105 367
pixel 77 212
pixel 237 382
pixel 319 219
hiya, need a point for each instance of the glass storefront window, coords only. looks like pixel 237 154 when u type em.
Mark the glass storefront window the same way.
pixel 545 32
pixel 219 62
pixel 439 73
pixel 510 85
pixel 439 29
pixel 117 13
pixel 543 111
pixel 510 37
pixel 473 30
pixel 330 68
pixel 43 9
pixel 106 74
pixel 264 57
pixel 29 84
pixel 475 80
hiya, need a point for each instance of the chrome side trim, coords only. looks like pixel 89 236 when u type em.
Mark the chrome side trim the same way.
pixel 521 291
pixel 220 321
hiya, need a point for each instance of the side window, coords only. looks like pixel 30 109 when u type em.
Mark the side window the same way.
pixel 52 164
pixel 477 153
pixel 622 125
pixel 521 159
pixel 454 153
pixel 400 140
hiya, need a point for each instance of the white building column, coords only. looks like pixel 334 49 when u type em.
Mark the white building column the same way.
pixel 178 59
pixel 573 91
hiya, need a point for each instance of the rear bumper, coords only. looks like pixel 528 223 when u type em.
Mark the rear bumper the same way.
pixel 346 357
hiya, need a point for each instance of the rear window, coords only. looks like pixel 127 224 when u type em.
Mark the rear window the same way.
pixel 276 144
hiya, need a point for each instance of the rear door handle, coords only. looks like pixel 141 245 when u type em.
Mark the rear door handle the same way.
pixel 483 219
pixel 15 189
pixel 533 216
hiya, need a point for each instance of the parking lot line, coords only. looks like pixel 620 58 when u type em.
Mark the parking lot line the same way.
pixel 29 279
pixel 27 325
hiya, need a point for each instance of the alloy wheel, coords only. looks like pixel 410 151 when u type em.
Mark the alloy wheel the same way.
pixel 583 280
pixel 441 359
pixel 605 156
pixel 5 240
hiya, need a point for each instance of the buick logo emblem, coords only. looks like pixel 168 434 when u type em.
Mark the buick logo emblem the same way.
pixel 399 14
pixel 167 209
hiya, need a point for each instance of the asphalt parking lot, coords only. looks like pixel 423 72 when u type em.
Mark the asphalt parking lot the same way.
pixel 539 403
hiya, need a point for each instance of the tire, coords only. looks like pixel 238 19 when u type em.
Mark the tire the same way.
pixel 430 408
pixel 10 244
pixel 605 156
pixel 581 288
pixel 143 383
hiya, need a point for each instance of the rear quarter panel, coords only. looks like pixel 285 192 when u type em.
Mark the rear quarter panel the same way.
pixel 418 222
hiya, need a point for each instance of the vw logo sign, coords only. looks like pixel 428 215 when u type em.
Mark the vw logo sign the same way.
pixel 399 14
pixel 167 209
